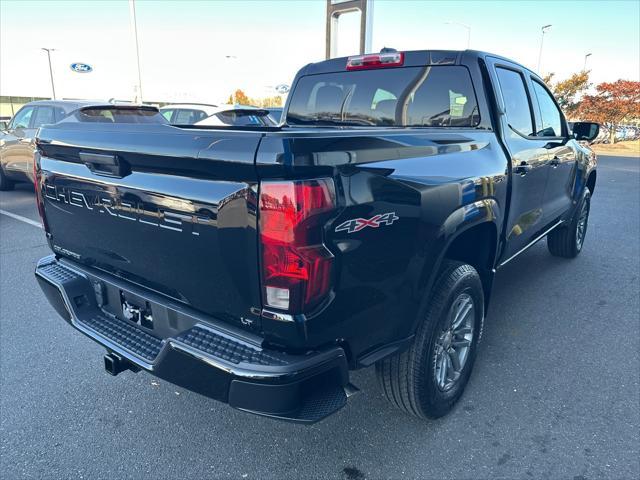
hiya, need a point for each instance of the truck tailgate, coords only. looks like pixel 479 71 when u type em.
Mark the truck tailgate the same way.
pixel 169 209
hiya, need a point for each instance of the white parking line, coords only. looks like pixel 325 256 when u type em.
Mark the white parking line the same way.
pixel 21 218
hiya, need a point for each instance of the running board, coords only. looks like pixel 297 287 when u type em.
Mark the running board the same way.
pixel 530 244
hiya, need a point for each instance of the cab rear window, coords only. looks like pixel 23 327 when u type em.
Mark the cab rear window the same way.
pixel 431 96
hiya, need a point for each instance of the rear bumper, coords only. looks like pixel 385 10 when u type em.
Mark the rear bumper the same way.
pixel 206 357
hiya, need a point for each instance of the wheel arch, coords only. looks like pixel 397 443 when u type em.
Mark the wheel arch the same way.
pixel 468 226
pixel 477 246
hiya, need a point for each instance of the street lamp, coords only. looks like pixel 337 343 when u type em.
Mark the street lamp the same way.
pixel 53 88
pixel 544 29
pixel 464 26
pixel 584 69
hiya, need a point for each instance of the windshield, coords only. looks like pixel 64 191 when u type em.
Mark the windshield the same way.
pixel 432 96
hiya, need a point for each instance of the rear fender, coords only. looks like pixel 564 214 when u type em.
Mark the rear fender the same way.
pixel 486 211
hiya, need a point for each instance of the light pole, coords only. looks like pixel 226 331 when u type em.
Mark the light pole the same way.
pixel 233 91
pixel 464 25
pixel 544 29
pixel 584 69
pixel 134 29
pixel 53 88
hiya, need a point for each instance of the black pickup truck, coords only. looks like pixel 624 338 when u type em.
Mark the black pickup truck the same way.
pixel 259 266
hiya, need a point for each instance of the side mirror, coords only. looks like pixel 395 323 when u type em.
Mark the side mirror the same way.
pixel 4 126
pixel 585 131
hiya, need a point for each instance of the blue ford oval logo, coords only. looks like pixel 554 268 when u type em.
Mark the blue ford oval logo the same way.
pixel 81 67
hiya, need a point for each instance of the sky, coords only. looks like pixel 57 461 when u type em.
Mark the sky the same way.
pixel 199 51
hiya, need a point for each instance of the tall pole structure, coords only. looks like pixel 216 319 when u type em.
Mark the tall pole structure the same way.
pixel 544 29
pixel 53 88
pixel 336 8
pixel 134 29
pixel 584 69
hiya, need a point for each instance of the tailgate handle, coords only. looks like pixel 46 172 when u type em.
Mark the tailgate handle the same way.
pixel 105 164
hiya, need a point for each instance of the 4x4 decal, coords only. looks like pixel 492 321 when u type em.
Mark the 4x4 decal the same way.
pixel 357 224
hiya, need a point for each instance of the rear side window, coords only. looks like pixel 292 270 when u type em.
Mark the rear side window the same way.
pixel 188 117
pixel 119 115
pixel 44 115
pixel 550 123
pixel 59 113
pixel 432 96
pixel 515 100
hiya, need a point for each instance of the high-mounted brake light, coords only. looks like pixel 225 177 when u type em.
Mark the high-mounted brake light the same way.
pixel 296 266
pixel 375 60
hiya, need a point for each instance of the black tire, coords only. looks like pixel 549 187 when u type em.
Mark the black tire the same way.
pixel 567 242
pixel 5 183
pixel 410 379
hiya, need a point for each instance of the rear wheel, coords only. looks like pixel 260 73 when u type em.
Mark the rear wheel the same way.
pixel 5 183
pixel 567 241
pixel 428 379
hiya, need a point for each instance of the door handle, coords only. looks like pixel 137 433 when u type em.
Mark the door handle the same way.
pixel 555 162
pixel 522 169
pixel 104 164
pixel 25 140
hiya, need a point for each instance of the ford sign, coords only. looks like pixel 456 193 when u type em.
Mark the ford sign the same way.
pixel 81 67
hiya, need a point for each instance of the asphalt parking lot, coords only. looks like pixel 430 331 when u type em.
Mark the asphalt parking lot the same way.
pixel 555 392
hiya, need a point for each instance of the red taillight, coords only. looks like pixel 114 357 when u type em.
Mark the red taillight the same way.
pixel 296 266
pixel 375 60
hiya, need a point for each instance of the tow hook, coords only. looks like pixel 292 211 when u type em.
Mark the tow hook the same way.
pixel 115 364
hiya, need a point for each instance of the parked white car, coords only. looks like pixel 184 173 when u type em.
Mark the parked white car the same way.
pixel 188 113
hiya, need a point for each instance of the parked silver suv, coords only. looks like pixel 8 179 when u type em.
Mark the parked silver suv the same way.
pixel 17 140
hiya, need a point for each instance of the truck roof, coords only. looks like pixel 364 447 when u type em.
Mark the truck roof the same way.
pixel 414 58
pixel 66 105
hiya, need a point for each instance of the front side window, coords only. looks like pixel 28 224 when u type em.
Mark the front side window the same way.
pixel 431 96
pixel 550 123
pixel 22 118
pixel 515 100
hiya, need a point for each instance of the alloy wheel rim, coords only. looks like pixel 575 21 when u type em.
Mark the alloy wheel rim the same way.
pixel 583 220
pixel 454 342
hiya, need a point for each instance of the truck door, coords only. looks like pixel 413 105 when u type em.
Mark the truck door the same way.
pixel 16 144
pixel 529 157
pixel 551 126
